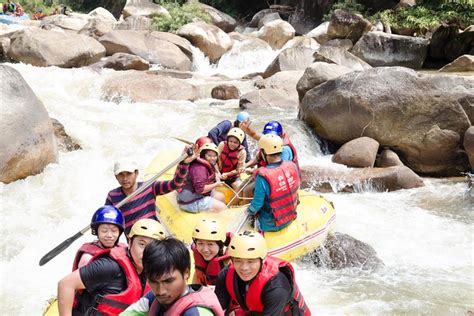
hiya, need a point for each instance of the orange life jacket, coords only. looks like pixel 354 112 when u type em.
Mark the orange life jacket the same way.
pixel 201 297
pixel 270 268
pixel 114 304
pixel 284 183
pixel 207 271
pixel 229 159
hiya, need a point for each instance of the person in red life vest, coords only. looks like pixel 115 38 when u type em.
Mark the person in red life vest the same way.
pixel 276 187
pixel 257 284
pixel 143 205
pixel 220 131
pixel 209 241
pixel 198 193
pixel 107 224
pixel 232 157
pixel 113 278
pixel 167 265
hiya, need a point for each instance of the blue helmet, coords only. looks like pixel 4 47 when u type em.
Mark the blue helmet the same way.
pixel 242 116
pixel 273 127
pixel 107 214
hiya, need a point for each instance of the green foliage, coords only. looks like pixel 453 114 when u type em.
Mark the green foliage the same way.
pixel 180 15
pixel 347 5
pixel 422 18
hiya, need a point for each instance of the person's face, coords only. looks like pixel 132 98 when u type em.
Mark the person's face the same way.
pixel 247 269
pixel 207 248
pixel 127 179
pixel 108 234
pixel 137 246
pixel 169 287
pixel 233 143
pixel 211 157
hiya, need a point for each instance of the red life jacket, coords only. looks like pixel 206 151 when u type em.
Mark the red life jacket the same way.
pixel 207 271
pixel 270 268
pixel 229 159
pixel 91 248
pixel 287 141
pixel 201 297
pixel 114 304
pixel 284 182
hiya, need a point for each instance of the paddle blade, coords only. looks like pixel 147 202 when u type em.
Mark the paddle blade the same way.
pixel 59 248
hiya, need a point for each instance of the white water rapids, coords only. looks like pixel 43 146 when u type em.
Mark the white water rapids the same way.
pixel 424 236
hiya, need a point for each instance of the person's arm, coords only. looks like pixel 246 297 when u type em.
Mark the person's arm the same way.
pixel 221 290
pixel 198 311
pixel 262 189
pixel 84 260
pixel 245 126
pixel 247 150
pixel 66 290
pixel 286 153
pixel 275 295
pixel 199 179
pixel 220 129
pixel 108 200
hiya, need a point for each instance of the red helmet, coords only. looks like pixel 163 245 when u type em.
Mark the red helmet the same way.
pixel 203 140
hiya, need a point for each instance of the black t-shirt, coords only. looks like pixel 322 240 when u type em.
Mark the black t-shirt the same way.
pixel 100 277
pixel 276 294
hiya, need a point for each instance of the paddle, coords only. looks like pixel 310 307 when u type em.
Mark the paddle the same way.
pixel 242 187
pixel 183 140
pixel 62 246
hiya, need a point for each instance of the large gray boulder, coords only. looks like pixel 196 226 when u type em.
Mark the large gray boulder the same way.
pixel 49 48
pixel 359 152
pixel 297 58
pixel 207 37
pixel 27 141
pixel 381 49
pixel 469 145
pixel 318 73
pixel 414 114
pixel 179 41
pixel 340 56
pixel 348 25
pixel 285 80
pixel 148 47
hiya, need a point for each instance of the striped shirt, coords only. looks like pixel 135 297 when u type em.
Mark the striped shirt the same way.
pixel 143 205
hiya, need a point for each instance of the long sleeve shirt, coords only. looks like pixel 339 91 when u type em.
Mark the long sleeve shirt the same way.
pixel 143 205
pixel 219 133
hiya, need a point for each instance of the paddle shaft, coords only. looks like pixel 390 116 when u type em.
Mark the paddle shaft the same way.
pixel 62 246
pixel 244 184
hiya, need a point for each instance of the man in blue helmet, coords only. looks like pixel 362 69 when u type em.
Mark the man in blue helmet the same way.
pixel 107 224
pixel 219 132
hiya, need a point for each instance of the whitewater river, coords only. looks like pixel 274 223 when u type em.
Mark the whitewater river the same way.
pixel 424 236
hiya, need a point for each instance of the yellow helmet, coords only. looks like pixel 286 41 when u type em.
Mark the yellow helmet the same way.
pixel 209 146
pixel 209 230
pixel 271 144
pixel 237 133
pixel 148 227
pixel 248 245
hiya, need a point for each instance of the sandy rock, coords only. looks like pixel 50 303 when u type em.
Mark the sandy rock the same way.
pixel 388 158
pixel 225 92
pixel 359 152
pixel 461 64
pixel 340 56
pixel 469 145
pixel 143 8
pixel 347 25
pixel 49 48
pixel 268 98
pixel 276 33
pixel 297 58
pixel 320 33
pixel 27 140
pixel 223 21
pixel 64 141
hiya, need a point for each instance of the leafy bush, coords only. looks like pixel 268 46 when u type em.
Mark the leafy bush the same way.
pixel 347 5
pixel 422 18
pixel 180 15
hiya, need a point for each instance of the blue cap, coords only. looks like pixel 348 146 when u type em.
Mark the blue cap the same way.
pixel 242 116
pixel 273 127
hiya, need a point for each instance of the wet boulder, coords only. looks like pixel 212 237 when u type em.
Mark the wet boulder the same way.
pixel 469 145
pixel 207 37
pixel 268 98
pixel 343 251
pixel 49 48
pixel 360 152
pixel 124 61
pixel 360 179
pixel 179 41
pixel 225 92
pixel 148 47
pixel 421 116
pixel 64 141
pixel 297 58
pixel 318 73
pixel 381 49
pixel 347 25
pixel 388 158
pixel 461 64
pixel 276 33
pixel 340 56
pixel 27 141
